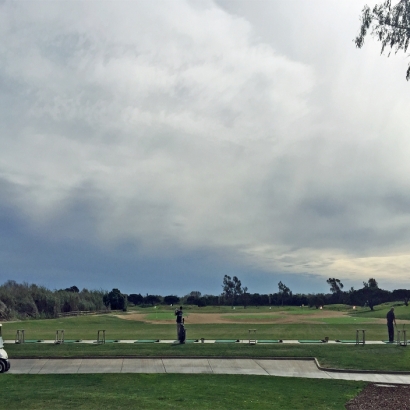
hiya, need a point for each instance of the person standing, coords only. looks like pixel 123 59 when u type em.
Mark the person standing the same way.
pixel 179 314
pixel 390 320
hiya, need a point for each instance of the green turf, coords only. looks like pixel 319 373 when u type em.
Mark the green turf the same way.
pixel 401 311
pixel 86 327
pixel 248 317
pixel 345 320
pixel 176 391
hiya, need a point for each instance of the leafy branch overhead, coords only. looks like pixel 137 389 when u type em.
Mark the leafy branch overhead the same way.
pixel 388 24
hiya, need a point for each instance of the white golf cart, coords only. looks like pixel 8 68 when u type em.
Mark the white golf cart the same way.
pixel 4 359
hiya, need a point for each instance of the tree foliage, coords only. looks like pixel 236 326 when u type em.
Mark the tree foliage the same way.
pixel 284 292
pixel 23 300
pixel 388 24
pixel 336 285
pixel 171 299
pixel 232 287
pixel 116 300
pixel 136 299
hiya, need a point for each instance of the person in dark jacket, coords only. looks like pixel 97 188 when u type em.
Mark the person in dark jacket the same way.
pixel 390 320
pixel 179 314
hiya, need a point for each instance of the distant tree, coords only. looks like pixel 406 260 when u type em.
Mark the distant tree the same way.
pixel 316 300
pixel 284 291
pixel 116 300
pixel 73 289
pixel 152 300
pixel 401 294
pixel 371 283
pixel 336 287
pixel 232 287
pixel 389 24
pixel 171 299
pixel 192 298
pixel 136 299
pixel 372 294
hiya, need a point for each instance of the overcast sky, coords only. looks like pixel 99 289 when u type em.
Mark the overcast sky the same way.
pixel 155 146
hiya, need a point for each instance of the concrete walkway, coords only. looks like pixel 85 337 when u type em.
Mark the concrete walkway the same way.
pixel 284 368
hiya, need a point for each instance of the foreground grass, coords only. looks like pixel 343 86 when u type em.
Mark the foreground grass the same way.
pixel 368 357
pixel 177 391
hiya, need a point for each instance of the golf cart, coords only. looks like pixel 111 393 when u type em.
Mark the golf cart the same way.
pixel 4 359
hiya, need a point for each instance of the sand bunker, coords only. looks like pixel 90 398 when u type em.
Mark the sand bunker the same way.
pixel 278 317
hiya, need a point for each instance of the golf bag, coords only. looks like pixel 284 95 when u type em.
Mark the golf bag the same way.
pixel 182 333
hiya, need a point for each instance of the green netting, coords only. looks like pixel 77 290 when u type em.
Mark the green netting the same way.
pixel 226 341
pixel 33 341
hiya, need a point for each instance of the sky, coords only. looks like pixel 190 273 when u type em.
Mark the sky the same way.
pixel 157 146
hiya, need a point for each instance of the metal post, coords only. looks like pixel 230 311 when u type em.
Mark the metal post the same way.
pixel 102 340
pixel 252 341
pixel 59 336
pixel 363 340
pixel 20 336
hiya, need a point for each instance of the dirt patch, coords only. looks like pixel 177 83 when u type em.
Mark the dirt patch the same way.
pixel 381 397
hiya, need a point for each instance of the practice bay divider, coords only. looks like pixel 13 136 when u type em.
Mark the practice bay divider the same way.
pixel 59 336
pixel 101 336
pixel 361 340
pixel 399 342
pixel 20 336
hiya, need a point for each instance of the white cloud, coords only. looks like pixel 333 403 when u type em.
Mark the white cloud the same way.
pixel 191 131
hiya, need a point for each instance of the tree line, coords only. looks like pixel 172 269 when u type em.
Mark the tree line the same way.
pixel 25 301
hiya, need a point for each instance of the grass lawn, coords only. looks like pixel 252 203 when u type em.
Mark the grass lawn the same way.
pixel 86 327
pixel 200 391
pixel 343 327
pixel 176 391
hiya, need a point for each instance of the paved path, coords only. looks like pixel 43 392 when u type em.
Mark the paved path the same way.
pixel 263 367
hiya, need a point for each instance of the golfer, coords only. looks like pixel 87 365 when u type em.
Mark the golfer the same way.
pixel 179 314
pixel 390 320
